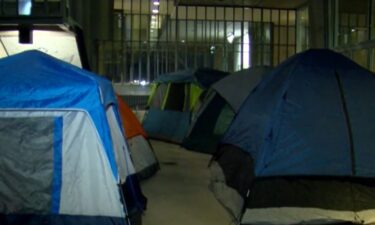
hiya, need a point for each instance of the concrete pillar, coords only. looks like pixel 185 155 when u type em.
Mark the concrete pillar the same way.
pixel 96 21
pixel 318 12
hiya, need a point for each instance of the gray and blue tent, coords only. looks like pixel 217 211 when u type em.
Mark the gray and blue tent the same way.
pixel 63 156
pixel 301 149
pixel 218 108
pixel 173 98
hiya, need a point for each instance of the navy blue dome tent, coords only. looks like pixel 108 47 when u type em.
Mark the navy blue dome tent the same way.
pixel 301 149
pixel 63 156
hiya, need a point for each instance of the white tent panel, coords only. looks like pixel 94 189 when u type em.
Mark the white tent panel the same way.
pixel 227 196
pixel 87 178
pixel 123 160
pixel 141 152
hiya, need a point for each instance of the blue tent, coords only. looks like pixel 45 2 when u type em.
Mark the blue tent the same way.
pixel 303 138
pixel 173 98
pixel 62 150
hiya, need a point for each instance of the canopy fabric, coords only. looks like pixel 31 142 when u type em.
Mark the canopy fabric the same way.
pixel 90 155
pixel 216 111
pixel 143 157
pixel 56 160
pixel 29 75
pixel 173 98
pixel 129 121
pixel 301 149
pixel 167 124
pixel 195 93
pixel 313 115
pixel 145 161
pixel 204 77
pixel 237 86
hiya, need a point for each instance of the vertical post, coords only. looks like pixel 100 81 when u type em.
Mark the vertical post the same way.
pixel 215 26
pixel 234 33
pixel 370 50
pixel 336 23
pixel 205 26
pixel 225 64
pixel 252 25
pixel 204 44
pixel 46 8
pixel 131 42
pixel 158 64
pixel 177 37
pixel 148 42
pixel 279 37
pixel 242 36
pixel 2 7
pixel 295 33
pixel 195 38
pixel 357 25
pixel 186 37
pixel 287 33
pixel 63 8
pixel 369 21
pixel 271 36
pixel 215 36
pixel 122 43
pixel 317 22
pixel 166 49
pixel 140 53
pixel 262 45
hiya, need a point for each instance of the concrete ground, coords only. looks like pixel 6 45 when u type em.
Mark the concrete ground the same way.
pixel 178 194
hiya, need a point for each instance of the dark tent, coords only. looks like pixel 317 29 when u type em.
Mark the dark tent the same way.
pixel 173 98
pixel 218 108
pixel 301 148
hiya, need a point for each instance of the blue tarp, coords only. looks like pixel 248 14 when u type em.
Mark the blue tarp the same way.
pixel 35 80
pixel 313 115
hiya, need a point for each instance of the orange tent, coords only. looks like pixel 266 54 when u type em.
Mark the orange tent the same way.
pixel 143 157
pixel 129 121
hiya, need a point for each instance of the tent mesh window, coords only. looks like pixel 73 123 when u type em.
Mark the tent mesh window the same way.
pixel 159 95
pixel 26 162
pixel 186 106
pixel 176 97
pixel 225 118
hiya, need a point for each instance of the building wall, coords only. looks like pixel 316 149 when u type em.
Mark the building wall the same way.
pixel 147 44
pixel 96 19
pixel 351 30
pixel 317 23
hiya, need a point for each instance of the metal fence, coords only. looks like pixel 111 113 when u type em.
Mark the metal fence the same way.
pixel 146 44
